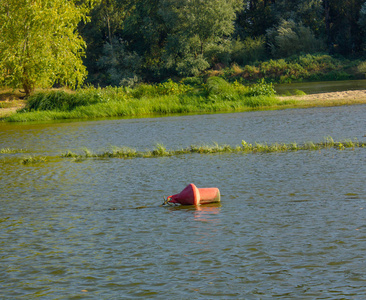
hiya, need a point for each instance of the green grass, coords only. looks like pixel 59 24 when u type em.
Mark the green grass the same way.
pixel 156 106
pixel 216 95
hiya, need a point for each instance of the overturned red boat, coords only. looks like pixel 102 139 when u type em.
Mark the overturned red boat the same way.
pixel 191 195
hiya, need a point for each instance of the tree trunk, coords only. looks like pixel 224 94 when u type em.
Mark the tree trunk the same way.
pixel 327 24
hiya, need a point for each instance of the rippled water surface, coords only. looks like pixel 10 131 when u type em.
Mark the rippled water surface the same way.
pixel 290 225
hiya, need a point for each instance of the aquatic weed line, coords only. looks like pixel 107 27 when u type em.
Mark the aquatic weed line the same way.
pixel 161 151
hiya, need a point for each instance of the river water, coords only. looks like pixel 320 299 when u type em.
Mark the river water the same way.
pixel 290 225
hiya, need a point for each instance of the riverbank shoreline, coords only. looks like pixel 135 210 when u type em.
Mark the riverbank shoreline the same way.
pixel 352 97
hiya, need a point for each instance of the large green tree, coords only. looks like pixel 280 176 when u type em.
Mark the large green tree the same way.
pixel 39 43
pixel 193 27
pixel 146 33
pixel 102 34
pixel 308 12
pixel 256 17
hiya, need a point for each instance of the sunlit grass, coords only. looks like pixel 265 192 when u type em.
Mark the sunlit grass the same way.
pixel 161 105
pixel 217 95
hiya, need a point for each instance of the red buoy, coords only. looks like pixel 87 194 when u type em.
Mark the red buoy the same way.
pixel 191 195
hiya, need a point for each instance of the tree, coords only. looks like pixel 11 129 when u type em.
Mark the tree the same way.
pixel 290 38
pixel 308 12
pixel 344 34
pixel 121 67
pixel 193 26
pixel 39 44
pixel 146 33
pixel 100 34
pixel 362 20
pixel 256 17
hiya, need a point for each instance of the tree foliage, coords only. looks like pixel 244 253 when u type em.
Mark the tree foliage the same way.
pixel 291 38
pixel 106 27
pixel 39 44
pixel 194 26
pixel 43 42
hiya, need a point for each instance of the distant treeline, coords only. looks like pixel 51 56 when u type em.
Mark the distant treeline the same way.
pixel 53 43
pixel 129 41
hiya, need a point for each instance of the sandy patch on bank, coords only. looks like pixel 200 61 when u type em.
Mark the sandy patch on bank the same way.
pixel 358 96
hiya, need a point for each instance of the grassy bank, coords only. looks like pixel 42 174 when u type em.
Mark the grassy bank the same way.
pixel 215 95
pixel 226 90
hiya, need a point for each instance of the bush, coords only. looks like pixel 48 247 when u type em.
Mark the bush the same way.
pixel 261 89
pixel 218 53
pixel 192 81
pixel 67 101
pixel 217 85
pixel 121 66
pixel 248 51
pixel 55 100
pixel 192 65
pixel 291 38
pixel 143 89
pixel 362 67
pixel 168 87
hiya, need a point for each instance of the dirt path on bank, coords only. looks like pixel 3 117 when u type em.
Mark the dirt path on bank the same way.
pixel 11 107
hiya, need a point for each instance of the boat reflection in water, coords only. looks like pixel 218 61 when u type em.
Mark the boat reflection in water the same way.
pixel 208 212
